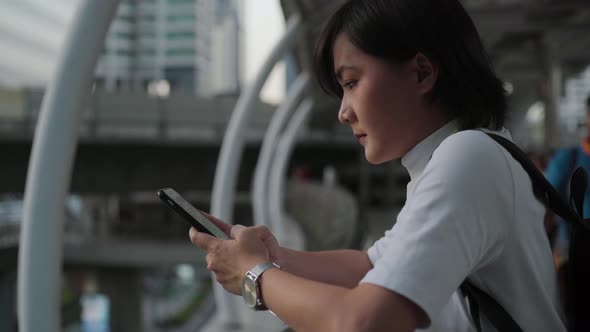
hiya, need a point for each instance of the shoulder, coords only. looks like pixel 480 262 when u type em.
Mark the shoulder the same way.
pixel 470 167
pixel 467 168
pixel 470 150
pixel 470 140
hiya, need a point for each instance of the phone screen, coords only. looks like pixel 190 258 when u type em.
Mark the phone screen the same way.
pixel 191 214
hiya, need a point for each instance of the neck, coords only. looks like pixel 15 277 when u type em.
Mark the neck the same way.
pixel 437 118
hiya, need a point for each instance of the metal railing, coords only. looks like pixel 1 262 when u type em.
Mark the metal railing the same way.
pixel 260 186
pixel 48 176
pixel 136 116
pixel 231 151
pixel 131 115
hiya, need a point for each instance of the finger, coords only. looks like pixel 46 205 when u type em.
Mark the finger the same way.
pixel 202 240
pixel 223 226
pixel 236 230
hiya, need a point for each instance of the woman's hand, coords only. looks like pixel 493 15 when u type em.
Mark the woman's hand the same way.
pixel 271 243
pixel 231 259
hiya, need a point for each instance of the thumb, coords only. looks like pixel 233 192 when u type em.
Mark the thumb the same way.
pixel 203 240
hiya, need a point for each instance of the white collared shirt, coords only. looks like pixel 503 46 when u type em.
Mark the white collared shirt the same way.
pixel 470 211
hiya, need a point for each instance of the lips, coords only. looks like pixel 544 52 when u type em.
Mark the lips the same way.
pixel 361 137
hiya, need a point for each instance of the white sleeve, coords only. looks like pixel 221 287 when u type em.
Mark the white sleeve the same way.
pixel 378 248
pixel 448 229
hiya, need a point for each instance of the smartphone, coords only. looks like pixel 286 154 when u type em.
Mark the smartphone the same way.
pixel 191 214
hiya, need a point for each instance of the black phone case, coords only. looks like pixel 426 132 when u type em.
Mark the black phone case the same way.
pixel 192 215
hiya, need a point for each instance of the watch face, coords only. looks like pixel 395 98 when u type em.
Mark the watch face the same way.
pixel 249 292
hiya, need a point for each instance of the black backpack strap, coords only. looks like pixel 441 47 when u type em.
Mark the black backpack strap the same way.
pixel 577 190
pixel 541 187
pixel 467 291
pixel 480 301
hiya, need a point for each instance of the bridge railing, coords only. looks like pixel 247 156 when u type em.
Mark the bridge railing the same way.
pixel 129 115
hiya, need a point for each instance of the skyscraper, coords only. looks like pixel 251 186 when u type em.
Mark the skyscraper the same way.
pixel 192 45
pixel 225 46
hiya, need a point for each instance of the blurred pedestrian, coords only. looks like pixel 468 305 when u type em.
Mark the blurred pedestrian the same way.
pixel 558 172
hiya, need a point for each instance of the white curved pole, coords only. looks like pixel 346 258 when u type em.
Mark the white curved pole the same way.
pixel 265 156
pixel 48 177
pixel 226 172
pixel 279 168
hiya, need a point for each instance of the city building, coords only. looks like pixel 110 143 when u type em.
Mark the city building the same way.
pixel 188 46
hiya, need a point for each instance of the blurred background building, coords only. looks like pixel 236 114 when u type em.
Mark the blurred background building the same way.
pixel 178 45
pixel 189 46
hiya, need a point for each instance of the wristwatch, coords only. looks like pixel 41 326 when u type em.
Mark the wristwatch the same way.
pixel 251 288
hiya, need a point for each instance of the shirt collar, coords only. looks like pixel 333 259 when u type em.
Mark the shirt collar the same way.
pixel 416 159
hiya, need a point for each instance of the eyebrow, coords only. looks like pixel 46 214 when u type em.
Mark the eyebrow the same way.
pixel 341 69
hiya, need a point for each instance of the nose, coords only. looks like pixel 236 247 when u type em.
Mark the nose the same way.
pixel 345 114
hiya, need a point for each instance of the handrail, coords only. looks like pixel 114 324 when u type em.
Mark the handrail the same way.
pixel 231 152
pixel 126 115
pixel 267 151
pixel 48 177
pixel 280 163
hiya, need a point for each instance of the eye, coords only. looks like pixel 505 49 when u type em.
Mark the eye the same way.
pixel 348 85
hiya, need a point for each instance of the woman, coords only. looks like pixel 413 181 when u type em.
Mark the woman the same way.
pixel 416 84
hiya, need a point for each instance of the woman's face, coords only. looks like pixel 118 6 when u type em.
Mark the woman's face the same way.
pixel 383 102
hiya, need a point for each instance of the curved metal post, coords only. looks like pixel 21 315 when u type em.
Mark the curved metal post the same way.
pixel 231 152
pixel 48 178
pixel 279 169
pixel 265 156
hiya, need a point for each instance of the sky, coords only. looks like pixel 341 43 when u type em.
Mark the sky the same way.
pixel 24 63
pixel 264 24
pixel 31 33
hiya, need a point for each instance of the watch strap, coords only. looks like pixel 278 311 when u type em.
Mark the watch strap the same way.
pixel 260 268
pixel 255 274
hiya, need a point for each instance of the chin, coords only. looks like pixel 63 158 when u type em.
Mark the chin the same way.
pixel 380 157
pixel 375 159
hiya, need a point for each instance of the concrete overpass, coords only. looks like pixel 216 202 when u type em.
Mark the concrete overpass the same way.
pixel 133 142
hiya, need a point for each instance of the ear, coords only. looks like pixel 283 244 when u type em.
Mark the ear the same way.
pixel 426 73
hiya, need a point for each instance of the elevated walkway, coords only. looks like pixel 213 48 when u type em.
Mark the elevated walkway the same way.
pixel 126 167
pixel 138 118
pixel 131 142
pixel 108 253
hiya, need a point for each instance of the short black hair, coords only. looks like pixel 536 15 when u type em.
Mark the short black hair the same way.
pixel 397 30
